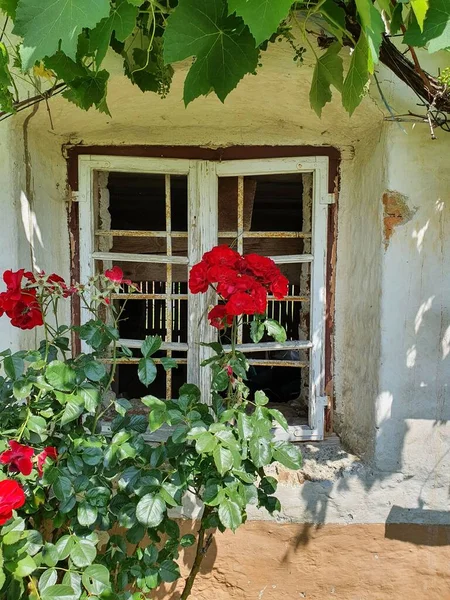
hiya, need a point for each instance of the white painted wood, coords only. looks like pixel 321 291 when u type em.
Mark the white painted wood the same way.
pixel 140 258
pixel 202 226
pixel 292 259
pixel 267 166
pixel 269 346
pixel 134 164
pixel 177 346
pixel 318 298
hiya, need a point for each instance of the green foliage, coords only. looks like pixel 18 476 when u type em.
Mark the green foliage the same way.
pixel 66 41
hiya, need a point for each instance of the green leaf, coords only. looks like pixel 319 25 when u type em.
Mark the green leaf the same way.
pixel 61 376
pixel 223 459
pixel 22 389
pixel 205 443
pixel 147 371
pixel 64 67
pixel 245 427
pixel 328 71
pixel 91 396
pixel 62 488
pixel 86 514
pixel 150 510
pixel 48 578
pixel 287 454
pixel 24 567
pixel 225 50
pixel 150 345
pixel 37 424
pixel 275 330
pixel 260 451
pixel 357 79
pixel 169 571
pixel 90 90
pixel 436 28
pixel 220 381
pixel 6 82
pixel 156 418
pixel 58 592
pixel 73 409
pixel 83 552
pixel 261 16
pixel 121 22
pixel 256 331
pixel 187 540
pixel 230 514
pixel 96 579
pixel 95 371
pixel 50 554
pixel 64 546
pixel 168 363
pixel 420 8
pixel 9 7
pixel 279 418
pixel 260 398
pixel 48 26
pixel 335 17
pixel 13 364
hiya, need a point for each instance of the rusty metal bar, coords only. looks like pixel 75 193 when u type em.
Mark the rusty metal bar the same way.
pixel 266 234
pixel 169 315
pixel 138 233
pixel 277 363
pixel 140 296
pixel 134 361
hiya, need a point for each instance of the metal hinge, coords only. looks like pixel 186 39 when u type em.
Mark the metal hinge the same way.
pixel 322 401
pixel 74 196
pixel 328 199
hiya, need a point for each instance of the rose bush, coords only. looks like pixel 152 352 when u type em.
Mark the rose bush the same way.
pixel 85 505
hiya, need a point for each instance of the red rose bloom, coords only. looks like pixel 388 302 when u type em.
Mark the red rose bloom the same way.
pixel 12 496
pixel 116 276
pixel 261 266
pixel 279 286
pixel 49 452
pixel 219 318
pixel 222 255
pixel 26 312
pixel 198 282
pixel 18 458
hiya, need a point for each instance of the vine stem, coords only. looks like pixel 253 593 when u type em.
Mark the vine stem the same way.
pixel 202 549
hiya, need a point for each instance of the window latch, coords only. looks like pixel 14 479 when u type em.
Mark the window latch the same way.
pixel 327 199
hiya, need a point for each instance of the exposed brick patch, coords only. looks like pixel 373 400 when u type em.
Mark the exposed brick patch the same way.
pixel 396 212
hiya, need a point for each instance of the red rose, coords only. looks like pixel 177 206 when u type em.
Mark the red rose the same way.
pixel 219 318
pixel 116 276
pixel 240 303
pixel 261 266
pixel 12 496
pixel 198 282
pixel 18 458
pixel 222 255
pixel 26 313
pixel 279 286
pixel 49 452
pixel 236 283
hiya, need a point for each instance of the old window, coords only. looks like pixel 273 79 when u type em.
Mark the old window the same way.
pixel 156 217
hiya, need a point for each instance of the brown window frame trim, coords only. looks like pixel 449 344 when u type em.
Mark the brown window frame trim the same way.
pixel 220 154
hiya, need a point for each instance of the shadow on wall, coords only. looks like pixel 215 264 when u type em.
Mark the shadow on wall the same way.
pixel 412 434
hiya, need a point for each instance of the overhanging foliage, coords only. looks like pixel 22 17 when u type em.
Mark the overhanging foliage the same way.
pixel 66 41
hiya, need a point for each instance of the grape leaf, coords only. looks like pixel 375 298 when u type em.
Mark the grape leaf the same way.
pixel 358 76
pixel 43 24
pixel 335 17
pixel 9 7
pixel 89 90
pixel 224 48
pixel 262 17
pixel 328 71
pixel 420 8
pixel 436 28
pixel 121 21
pixel 6 97
pixel 373 26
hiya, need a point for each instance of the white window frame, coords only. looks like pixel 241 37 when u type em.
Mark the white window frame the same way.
pixel 202 236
